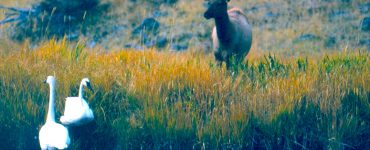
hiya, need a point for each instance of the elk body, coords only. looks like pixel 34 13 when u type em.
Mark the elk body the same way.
pixel 232 34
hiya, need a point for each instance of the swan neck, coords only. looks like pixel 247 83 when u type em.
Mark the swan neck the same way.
pixel 81 91
pixel 51 110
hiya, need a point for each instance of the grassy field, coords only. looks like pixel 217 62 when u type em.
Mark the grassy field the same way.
pixel 166 100
pixel 304 85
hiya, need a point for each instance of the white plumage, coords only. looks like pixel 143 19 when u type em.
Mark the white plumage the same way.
pixel 77 110
pixel 53 135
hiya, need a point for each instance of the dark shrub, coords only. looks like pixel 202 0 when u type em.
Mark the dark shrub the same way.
pixel 58 18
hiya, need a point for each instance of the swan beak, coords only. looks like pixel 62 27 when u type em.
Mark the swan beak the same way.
pixel 89 86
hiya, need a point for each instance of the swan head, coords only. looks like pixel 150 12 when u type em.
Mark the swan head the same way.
pixel 50 80
pixel 86 82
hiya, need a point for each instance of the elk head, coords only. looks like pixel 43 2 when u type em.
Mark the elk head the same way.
pixel 215 8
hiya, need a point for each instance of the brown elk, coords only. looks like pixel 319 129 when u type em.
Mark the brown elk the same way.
pixel 232 34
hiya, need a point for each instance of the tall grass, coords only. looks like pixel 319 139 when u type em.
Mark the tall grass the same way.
pixel 163 100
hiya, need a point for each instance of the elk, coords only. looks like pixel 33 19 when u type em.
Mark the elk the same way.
pixel 231 35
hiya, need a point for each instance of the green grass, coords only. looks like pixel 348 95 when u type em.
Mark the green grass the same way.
pixel 162 100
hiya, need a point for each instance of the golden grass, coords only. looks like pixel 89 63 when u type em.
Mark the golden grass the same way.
pixel 162 99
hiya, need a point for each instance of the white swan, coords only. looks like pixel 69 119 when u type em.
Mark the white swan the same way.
pixel 53 135
pixel 77 111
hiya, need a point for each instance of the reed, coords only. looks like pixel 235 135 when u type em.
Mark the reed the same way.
pixel 151 99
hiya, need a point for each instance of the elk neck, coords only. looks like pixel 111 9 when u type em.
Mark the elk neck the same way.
pixel 224 28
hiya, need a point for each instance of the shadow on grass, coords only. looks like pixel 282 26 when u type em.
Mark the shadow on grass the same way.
pixel 305 126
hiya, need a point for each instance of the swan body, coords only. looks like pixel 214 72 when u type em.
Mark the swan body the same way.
pixel 53 135
pixel 77 110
